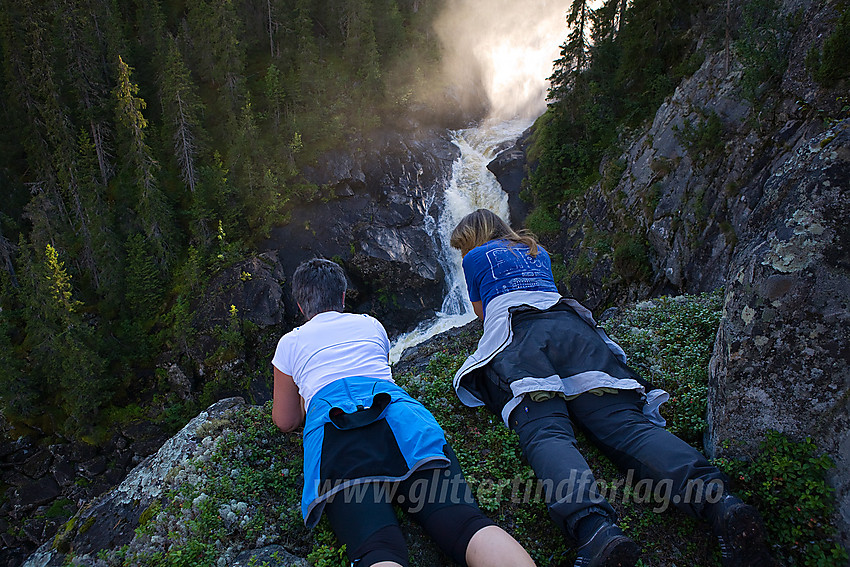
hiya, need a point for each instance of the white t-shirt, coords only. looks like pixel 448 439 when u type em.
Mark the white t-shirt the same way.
pixel 331 346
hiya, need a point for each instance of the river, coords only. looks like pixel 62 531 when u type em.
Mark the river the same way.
pixel 473 186
pixel 496 46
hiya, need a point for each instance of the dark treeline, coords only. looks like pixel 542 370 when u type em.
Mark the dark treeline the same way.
pixel 620 61
pixel 146 145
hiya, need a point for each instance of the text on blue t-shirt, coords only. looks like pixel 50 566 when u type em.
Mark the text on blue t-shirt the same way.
pixel 499 266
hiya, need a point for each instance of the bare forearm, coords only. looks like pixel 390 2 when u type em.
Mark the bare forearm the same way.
pixel 288 406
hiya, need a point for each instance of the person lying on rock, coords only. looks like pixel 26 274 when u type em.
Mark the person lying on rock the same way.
pixel 367 443
pixel 544 366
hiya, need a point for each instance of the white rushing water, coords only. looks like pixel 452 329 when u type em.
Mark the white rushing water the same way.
pixel 506 48
pixel 472 187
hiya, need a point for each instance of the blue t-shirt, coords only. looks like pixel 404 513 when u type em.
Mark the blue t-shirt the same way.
pixel 500 266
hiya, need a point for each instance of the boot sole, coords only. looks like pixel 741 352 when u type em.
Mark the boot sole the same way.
pixel 620 552
pixel 746 546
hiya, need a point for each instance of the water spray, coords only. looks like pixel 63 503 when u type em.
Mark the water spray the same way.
pixel 509 48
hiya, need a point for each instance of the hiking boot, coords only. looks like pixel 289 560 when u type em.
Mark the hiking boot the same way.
pixel 608 547
pixel 741 534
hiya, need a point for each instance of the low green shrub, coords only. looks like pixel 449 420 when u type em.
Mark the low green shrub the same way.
pixel 786 481
pixel 829 64
pixel 631 259
pixel 703 139
pixel 543 220
pixel 560 272
pixel 669 341
pixel 327 552
pixel 762 45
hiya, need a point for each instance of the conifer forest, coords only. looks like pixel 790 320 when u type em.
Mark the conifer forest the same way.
pixel 147 144
pixel 684 162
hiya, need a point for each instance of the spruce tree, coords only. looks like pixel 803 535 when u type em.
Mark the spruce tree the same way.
pixel 361 47
pixel 182 110
pixel 247 166
pixel 143 282
pixel 50 140
pixel 274 90
pixel 389 26
pixel 79 25
pixel 604 22
pixel 99 215
pixel 66 369
pixel 305 77
pixel 214 29
pixel 18 389
pixel 654 41
pixel 574 52
pixel 151 207
pixel 143 298
pixel 214 201
pixel 7 250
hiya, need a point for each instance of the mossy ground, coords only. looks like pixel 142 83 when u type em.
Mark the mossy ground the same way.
pixel 244 492
pixel 669 341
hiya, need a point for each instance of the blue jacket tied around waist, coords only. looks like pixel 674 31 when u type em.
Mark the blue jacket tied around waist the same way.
pixel 361 430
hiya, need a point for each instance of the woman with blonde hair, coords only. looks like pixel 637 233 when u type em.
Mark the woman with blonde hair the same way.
pixel 544 366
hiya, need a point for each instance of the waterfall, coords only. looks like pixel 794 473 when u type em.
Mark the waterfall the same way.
pixel 472 187
pixel 494 45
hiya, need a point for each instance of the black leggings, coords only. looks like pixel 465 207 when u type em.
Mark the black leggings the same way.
pixel 438 499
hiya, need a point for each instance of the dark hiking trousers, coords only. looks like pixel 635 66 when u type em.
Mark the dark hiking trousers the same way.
pixel 557 342
pixel 616 424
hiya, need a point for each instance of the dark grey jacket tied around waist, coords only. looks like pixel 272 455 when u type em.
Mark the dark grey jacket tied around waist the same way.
pixel 591 373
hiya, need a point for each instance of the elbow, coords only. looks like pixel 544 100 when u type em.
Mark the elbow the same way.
pixel 478 309
pixel 286 424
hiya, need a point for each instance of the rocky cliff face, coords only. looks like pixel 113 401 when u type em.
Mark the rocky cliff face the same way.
pixel 379 223
pixel 719 192
pixel 509 167
pixel 782 358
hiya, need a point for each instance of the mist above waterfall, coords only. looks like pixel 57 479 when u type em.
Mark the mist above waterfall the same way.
pixel 500 52
pixel 497 57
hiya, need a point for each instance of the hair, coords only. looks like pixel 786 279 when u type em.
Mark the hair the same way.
pixel 482 226
pixel 318 285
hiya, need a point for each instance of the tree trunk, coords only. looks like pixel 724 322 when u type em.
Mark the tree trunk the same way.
pixel 271 36
pixel 727 40
pixel 7 249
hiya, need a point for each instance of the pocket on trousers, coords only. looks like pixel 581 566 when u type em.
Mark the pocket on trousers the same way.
pixel 528 411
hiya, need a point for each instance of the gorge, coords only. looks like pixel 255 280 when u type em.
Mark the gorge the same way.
pixel 719 188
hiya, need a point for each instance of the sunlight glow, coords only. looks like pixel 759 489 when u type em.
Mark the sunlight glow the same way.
pixel 501 51
pixel 504 48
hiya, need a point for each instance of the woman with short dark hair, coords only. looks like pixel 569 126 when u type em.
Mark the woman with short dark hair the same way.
pixel 367 443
